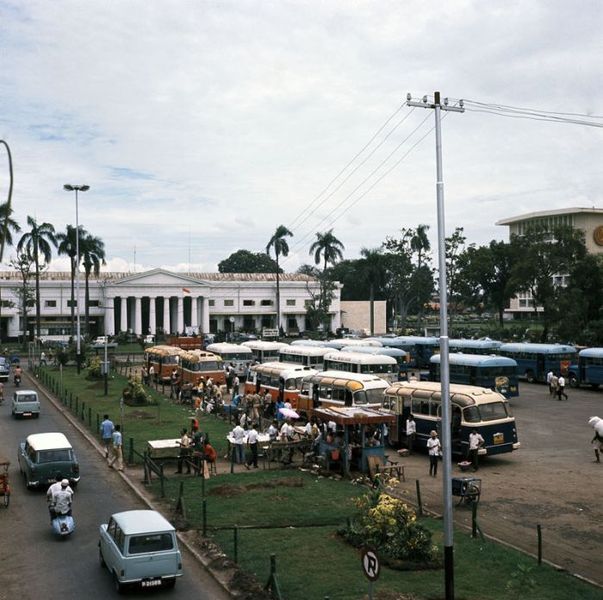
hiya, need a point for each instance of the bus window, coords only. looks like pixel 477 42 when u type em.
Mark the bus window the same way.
pixel 374 396
pixel 360 397
pixel 433 408
pixel 493 411
pixel 471 414
pixel 290 384
pixel 339 394
pixel 325 392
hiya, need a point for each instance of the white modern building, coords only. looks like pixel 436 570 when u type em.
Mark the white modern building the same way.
pixel 587 220
pixel 160 300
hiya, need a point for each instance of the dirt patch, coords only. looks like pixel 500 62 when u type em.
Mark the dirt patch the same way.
pixel 236 490
pixel 140 414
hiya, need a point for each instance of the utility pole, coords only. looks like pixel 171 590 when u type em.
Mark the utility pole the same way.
pixel 444 364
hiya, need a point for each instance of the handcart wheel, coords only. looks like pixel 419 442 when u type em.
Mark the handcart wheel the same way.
pixel 472 494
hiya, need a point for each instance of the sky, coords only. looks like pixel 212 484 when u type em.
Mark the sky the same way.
pixel 201 127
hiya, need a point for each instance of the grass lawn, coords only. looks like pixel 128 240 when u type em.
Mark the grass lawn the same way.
pixel 313 562
pixel 142 423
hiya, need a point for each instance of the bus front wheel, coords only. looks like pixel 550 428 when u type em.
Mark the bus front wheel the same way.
pixel 530 376
pixel 573 381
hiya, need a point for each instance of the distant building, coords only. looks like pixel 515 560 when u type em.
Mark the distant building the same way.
pixel 160 300
pixel 356 316
pixel 587 220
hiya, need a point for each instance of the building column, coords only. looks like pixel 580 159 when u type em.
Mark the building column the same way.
pixel 109 316
pixel 137 315
pixel 180 314
pixel 152 316
pixel 194 312
pixel 166 315
pixel 205 316
pixel 124 314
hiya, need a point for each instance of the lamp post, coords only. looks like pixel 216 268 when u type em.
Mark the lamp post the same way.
pixel 77 188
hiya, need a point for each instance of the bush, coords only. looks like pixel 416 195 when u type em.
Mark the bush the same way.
pixel 95 368
pixel 134 394
pixel 391 526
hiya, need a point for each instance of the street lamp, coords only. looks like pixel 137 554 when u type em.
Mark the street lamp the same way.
pixel 77 188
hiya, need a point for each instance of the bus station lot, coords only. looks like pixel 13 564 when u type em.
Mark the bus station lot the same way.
pixel 551 481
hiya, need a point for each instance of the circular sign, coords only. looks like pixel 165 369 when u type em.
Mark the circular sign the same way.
pixel 370 564
pixel 598 235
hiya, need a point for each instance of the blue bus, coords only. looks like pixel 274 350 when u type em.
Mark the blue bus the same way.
pixel 481 346
pixel 402 357
pixel 589 370
pixel 420 348
pixel 534 361
pixel 484 410
pixel 499 373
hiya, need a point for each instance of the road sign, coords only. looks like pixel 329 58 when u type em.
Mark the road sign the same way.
pixel 370 564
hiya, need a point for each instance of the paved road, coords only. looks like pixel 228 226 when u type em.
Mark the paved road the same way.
pixel 552 481
pixel 33 563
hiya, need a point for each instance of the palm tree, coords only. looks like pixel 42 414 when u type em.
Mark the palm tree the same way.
pixel 278 241
pixel 68 246
pixel 372 268
pixel 330 249
pixel 92 251
pixel 38 242
pixel 7 227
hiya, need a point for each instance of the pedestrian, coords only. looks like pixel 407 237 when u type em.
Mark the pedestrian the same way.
pixel 561 387
pixel 174 391
pixel 411 433
pixel 553 385
pixel 597 424
pixel 106 431
pixel 151 374
pixel 238 438
pixel 117 455
pixel 476 441
pixel 43 359
pixel 252 443
pixel 145 375
pixel 185 452
pixel 549 381
pixel 433 447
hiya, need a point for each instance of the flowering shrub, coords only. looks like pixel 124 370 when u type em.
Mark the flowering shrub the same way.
pixel 94 368
pixel 391 526
pixel 135 394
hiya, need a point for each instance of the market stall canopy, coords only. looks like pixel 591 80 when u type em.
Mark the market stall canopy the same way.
pixel 353 415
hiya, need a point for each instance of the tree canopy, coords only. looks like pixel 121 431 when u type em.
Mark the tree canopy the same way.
pixel 244 261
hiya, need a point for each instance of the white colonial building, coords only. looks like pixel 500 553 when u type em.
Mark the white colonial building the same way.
pixel 160 300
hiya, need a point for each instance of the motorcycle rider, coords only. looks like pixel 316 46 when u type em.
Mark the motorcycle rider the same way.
pixel 62 500
pixel 17 376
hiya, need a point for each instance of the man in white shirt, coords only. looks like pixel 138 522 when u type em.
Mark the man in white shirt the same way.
pixel 475 442
pixel 55 487
pixel 411 433
pixel 62 499
pixel 272 431
pixel 561 387
pixel 433 447
pixel 238 434
pixel 252 443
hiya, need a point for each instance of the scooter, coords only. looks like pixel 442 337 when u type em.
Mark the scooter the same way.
pixel 63 525
pixel 17 380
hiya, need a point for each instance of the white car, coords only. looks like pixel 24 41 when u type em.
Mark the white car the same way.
pixel 140 547
pixel 26 404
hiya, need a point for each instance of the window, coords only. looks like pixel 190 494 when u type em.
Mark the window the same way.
pixel 228 302
pixel 266 303
pixel 156 542
pixel 94 303
pixel 50 303
pixel 308 303
pixel 211 302
pixel 70 304
pixel 248 302
pixel 290 301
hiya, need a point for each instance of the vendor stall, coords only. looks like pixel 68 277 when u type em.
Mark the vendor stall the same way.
pixel 358 434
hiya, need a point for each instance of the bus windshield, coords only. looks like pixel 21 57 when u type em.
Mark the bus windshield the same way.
pixel 493 411
pixel 374 396
pixel 376 368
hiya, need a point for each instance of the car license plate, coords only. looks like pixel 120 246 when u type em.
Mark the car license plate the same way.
pixel 498 438
pixel 151 582
pixel 27 414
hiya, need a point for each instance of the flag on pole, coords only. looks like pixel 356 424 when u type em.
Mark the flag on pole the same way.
pixel 186 290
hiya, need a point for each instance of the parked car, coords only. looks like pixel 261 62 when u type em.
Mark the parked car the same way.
pixel 140 547
pixel 26 404
pixel 4 368
pixel 44 455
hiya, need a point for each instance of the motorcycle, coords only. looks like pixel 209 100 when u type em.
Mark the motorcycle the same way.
pixel 63 525
pixel 17 380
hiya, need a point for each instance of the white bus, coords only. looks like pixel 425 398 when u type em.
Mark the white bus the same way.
pixel 308 356
pixel 233 354
pixel 380 365
pixel 264 351
pixel 336 388
pixel 340 343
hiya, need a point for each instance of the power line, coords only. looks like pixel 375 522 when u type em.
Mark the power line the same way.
pixel 539 111
pixel 535 117
pixel 324 190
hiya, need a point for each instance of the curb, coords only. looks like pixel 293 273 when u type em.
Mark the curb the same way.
pixel 137 491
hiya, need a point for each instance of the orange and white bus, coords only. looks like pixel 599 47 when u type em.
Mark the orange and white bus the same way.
pixel 306 356
pixel 163 359
pixel 195 364
pixel 264 351
pixel 240 357
pixel 283 381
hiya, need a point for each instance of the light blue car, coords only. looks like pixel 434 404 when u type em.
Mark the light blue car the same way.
pixel 140 547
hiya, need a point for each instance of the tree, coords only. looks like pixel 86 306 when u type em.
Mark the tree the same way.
pixel 278 242
pixel 23 264
pixel 455 247
pixel 328 248
pixel 38 242
pixel 420 247
pixel 546 256
pixel 8 226
pixel 244 261
pixel 373 270
pixel 92 251
pixel 68 246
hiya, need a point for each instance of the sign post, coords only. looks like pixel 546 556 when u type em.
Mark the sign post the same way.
pixel 371 568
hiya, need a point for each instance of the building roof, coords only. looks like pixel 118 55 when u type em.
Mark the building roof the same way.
pixel 550 213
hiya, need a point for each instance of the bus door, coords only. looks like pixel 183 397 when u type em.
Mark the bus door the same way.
pixel 403 411
pixel 540 369
pixel 456 430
